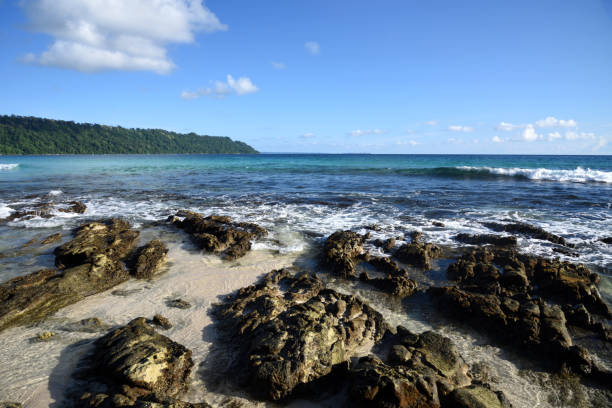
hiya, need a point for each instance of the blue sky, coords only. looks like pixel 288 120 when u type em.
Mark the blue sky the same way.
pixel 393 76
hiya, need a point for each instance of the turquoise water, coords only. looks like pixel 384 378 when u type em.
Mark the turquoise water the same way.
pixel 312 195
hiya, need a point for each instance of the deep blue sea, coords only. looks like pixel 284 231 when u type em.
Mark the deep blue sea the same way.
pixel 302 197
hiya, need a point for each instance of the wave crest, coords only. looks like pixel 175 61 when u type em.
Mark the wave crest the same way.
pixel 8 166
pixel 578 175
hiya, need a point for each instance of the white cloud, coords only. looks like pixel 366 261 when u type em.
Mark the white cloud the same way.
pixel 308 135
pixel 278 65
pixel 312 47
pixel 505 126
pixel 219 89
pixel 242 85
pixel 497 139
pixel 551 121
pixel 529 134
pixel 602 143
pixel 458 128
pixel 366 132
pixel 554 136
pixel 96 35
pixel 431 122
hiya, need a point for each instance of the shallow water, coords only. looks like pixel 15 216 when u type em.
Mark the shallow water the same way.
pixel 300 199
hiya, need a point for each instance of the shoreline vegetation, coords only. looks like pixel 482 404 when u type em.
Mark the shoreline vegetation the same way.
pixel 26 135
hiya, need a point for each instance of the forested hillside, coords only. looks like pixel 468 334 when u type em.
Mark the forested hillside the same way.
pixel 31 135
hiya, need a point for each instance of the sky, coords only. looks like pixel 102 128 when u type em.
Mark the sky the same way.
pixel 330 76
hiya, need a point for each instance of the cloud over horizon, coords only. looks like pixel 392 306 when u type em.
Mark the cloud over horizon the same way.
pixel 98 35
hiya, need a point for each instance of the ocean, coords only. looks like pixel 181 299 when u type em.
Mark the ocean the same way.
pixel 301 199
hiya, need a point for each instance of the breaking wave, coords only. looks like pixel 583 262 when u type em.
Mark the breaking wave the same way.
pixel 578 175
pixel 8 166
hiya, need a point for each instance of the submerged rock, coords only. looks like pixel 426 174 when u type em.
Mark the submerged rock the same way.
pixel 51 239
pixel 418 254
pixel 528 230
pixel 178 303
pixel 134 366
pixel 606 240
pixel 483 239
pixel 45 210
pixel 291 331
pixel 399 286
pixel 219 234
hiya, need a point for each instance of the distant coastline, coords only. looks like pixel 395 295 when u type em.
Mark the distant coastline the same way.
pixel 21 135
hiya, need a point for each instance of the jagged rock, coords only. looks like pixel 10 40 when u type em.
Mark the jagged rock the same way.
pixel 508 272
pixel 606 240
pixel 148 259
pixel 114 239
pixel 134 366
pixel 161 321
pixel 483 239
pixel 375 384
pixel 341 252
pixel 424 371
pixel 438 224
pixel 291 331
pixel 93 262
pixel 179 304
pixel 10 405
pixel 528 230
pixel 477 396
pixel 418 254
pixel 219 234
pixel 51 239
pixel 400 286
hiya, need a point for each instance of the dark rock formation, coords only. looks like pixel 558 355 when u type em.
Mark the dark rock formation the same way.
pixel 418 254
pixel 387 244
pixel 134 366
pixel 291 331
pixel 91 262
pixel 484 239
pixel 423 371
pixel 606 240
pixel 438 224
pixel 148 259
pixel 219 234
pixel 528 230
pixel 342 251
pixel 501 292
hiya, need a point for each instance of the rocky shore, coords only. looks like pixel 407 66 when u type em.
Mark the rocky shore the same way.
pixel 293 336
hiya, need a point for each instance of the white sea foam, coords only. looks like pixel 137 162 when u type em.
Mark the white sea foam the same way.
pixel 578 175
pixel 8 166
pixel 55 192
pixel 5 211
